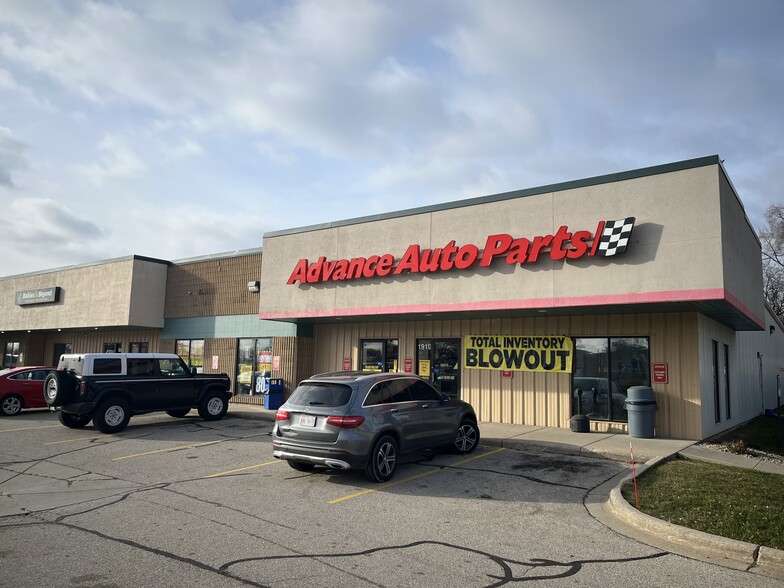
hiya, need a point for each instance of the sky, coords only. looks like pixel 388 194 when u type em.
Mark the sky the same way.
pixel 176 129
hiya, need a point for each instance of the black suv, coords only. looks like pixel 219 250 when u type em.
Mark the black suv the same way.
pixel 108 388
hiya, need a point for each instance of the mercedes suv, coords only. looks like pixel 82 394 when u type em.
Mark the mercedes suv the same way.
pixel 108 388
pixel 346 420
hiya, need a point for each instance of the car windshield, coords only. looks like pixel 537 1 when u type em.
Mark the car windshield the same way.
pixel 312 394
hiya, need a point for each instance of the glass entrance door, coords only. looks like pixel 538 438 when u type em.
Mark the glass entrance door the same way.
pixel 438 361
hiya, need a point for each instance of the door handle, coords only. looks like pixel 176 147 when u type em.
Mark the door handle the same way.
pixel 394 410
pixel 425 406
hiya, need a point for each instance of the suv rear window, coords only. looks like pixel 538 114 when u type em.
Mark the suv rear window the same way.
pixel 321 395
pixel 107 365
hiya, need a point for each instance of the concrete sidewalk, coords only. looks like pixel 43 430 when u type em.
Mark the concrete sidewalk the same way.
pixel 613 446
pixel 606 504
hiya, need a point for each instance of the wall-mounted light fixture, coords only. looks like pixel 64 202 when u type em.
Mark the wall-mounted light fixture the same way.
pixel 253 286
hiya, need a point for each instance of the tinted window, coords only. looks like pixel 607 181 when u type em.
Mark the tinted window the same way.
pixel 141 367
pixel 107 366
pixel 321 395
pixel 398 391
pixel 376 395
pixel 422 391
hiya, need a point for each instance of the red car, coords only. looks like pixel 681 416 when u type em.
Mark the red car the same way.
pixel 22 387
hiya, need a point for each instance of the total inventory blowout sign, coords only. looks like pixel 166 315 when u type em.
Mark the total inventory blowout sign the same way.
pixel 525 354
pixel 610 238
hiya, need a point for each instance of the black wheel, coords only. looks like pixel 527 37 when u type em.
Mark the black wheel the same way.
pixel 112 415
pixel 57 388
pixel 11 405
pixel 213 406
pixel 301 466
pixel 383 460
pixel 467 437
pixel 178 413
pixel 73 421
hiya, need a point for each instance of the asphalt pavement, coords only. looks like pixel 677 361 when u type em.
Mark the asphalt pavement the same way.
pixel 605 502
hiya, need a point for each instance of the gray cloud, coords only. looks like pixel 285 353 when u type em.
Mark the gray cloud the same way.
pixel 11 156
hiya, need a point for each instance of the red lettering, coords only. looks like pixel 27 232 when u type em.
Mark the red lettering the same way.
pixel 385 265
pixel 410 261
pixel 518 251
pixel 540 242
pixel 329 266
pixel 429 260
pixel 558 252
pixel 495 245
pixel 314 271
pixel 370 266
pixel 597 237
pixel 355 267
pixel 579 243
pixel 341 270
pixel 448 256
pixel 300 272
pixel 466 256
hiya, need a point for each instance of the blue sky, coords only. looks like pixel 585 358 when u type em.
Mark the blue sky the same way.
pixel 175 129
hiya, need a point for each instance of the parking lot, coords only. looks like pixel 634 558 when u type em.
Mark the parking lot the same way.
pixel 175 502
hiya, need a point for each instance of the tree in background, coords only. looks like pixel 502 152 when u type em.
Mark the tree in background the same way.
pixel 772 237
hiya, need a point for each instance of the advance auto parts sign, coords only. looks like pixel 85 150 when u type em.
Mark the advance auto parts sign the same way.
pixel 524 354
pixel 610 238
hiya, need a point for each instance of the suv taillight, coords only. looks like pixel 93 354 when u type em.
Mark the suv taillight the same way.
pixel 83 388
pixel 346 422
pixel 281 415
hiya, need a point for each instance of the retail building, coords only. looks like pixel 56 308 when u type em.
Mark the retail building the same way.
pixel 539 304
pixel 534 305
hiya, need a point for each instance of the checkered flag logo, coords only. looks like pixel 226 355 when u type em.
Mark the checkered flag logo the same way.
pixel 615 237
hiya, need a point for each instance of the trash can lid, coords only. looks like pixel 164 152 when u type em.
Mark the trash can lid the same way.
pixel 640 393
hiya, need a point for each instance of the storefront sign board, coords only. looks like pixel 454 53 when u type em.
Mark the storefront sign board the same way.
pixel 552 353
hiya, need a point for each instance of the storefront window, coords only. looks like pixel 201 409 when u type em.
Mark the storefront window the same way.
pixel 140 347
pixel 192 353
pixel 254 361
pixel 604 369
pixel 438 361
pixel 378 355
pixel 112 348
pixel 11 355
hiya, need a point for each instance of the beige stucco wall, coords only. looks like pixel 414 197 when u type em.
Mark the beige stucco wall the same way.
pixel 741 254
pixel 98 295
pixel 675 253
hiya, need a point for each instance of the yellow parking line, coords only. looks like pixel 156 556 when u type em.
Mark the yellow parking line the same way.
pixel 244 469
pixel 29 428
pixel 72 440
pixel 410 478
pixel 165 450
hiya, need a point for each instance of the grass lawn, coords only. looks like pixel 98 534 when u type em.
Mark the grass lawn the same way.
pixel 721 500
pixel 764 432
pixel 732 502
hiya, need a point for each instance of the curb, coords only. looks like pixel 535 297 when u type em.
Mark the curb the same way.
pixel 692 543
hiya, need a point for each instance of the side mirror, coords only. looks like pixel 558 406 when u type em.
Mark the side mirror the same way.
pixel 445 397
pixel 193 371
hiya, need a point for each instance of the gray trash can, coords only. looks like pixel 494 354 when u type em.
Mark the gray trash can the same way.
pixel 641 407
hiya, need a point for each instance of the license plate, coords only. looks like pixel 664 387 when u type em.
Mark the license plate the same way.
pixel 307 420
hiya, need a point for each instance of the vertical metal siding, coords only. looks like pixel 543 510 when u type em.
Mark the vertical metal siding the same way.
pixel 541 399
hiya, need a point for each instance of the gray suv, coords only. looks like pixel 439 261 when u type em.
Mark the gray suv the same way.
pixel 346 420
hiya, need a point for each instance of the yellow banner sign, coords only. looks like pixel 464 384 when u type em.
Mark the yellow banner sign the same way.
pixel 519 353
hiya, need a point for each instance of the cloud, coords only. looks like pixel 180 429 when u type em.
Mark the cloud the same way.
pixel 46 226
pixel 11 156
pixel 119 162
